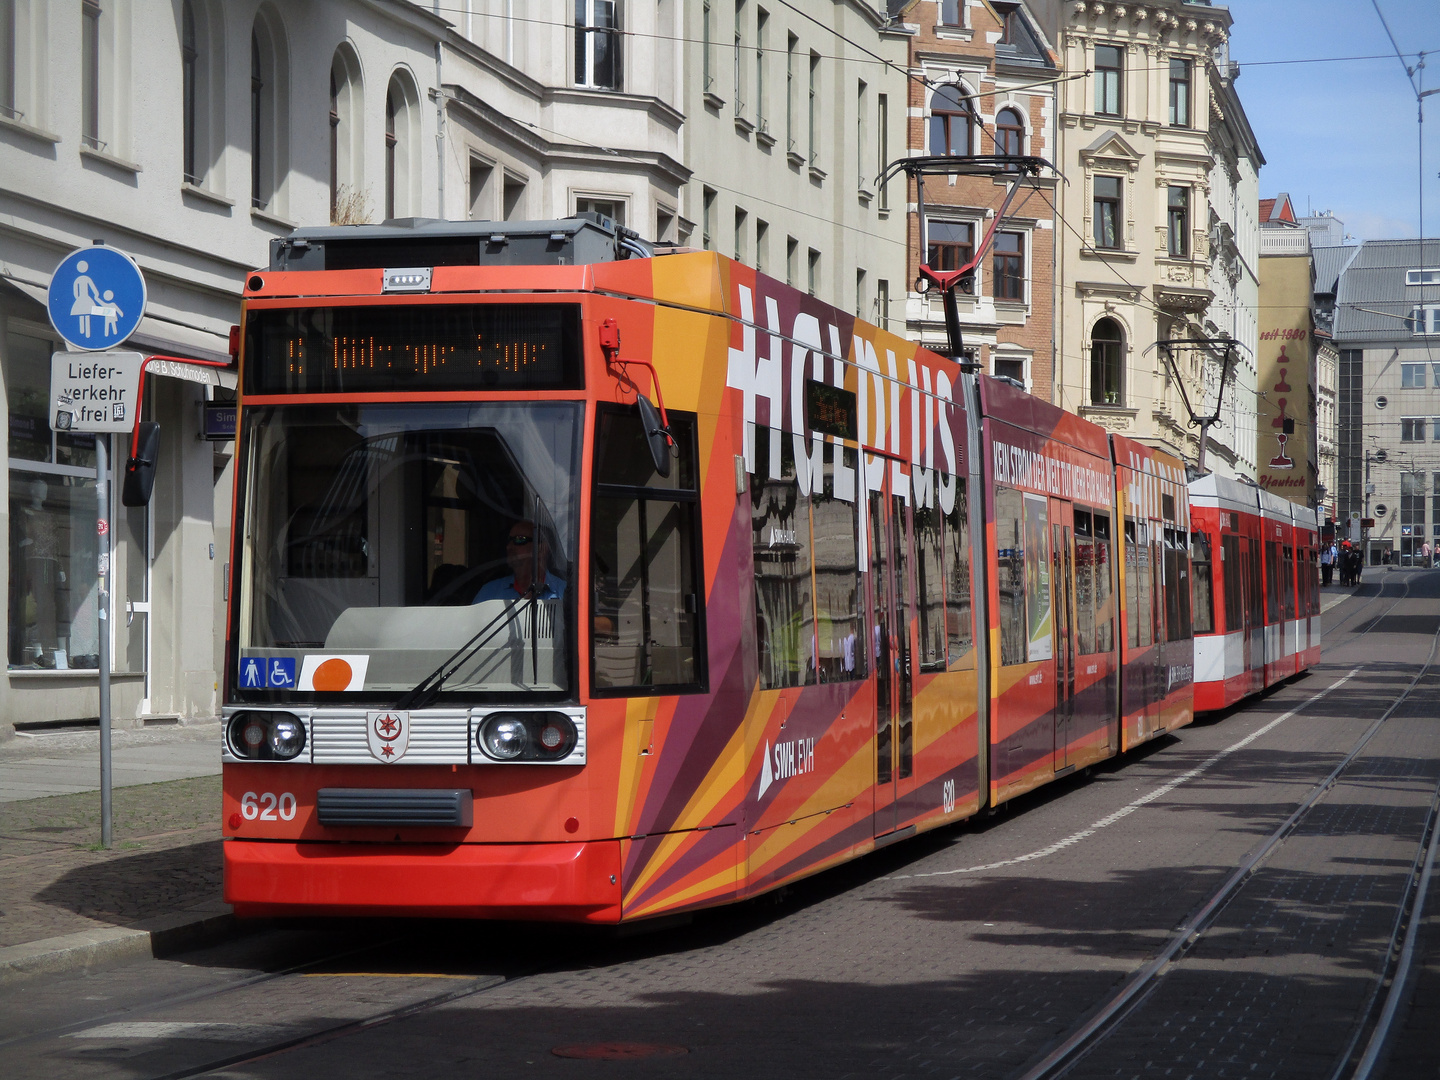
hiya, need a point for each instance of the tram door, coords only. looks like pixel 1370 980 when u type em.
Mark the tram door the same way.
pixel 1254 612
pixel 892 654
pixel 1063 575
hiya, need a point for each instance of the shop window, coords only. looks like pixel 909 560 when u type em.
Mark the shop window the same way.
pixel 647 592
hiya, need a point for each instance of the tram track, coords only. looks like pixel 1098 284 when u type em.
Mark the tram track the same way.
pixel 1373 1026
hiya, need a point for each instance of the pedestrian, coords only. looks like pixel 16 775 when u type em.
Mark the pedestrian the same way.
pixel 1327 563
pixel 1425 554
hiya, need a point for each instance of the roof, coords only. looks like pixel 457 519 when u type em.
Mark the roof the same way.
pixel 1277 211
pixel 1330 263
pixel 1373 303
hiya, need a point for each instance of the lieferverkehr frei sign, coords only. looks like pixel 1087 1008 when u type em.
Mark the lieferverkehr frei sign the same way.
pixel 94 391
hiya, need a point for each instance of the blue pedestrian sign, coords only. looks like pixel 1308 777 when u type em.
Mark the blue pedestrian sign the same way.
pixel 252 672
pixel 97 297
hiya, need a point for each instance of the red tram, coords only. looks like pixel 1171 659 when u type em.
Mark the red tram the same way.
pixel 1257 590
pixel 507 638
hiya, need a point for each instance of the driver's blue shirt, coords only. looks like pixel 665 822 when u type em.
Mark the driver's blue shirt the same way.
pixel 504 589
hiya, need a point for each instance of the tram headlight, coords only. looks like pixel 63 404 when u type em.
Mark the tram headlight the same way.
pixel 504 736
pixel 265 736
pixel 527 736
pixel 287 737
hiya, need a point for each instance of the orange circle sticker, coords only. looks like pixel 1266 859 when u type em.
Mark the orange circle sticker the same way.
pixel 333 674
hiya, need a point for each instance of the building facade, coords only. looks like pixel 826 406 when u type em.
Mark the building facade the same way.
pixel 1288 394
pixel 792 112
pixel 982 82
pixel 1387 331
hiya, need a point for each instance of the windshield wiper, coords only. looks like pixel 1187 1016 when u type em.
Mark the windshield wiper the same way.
pixel 425 691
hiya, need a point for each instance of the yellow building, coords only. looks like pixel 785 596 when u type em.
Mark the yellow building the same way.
pixel 1287 443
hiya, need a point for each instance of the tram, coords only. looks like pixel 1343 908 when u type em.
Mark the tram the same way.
pixel 1257 590
pixel 573 581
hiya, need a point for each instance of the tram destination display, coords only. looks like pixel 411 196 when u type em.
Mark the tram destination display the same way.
pixel 414 347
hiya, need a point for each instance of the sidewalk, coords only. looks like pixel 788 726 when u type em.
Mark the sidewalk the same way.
pixel 67 904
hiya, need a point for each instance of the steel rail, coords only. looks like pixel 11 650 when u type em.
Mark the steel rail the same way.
pixel 1108 1016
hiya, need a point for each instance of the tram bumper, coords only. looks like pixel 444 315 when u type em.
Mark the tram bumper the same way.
pixel 576 882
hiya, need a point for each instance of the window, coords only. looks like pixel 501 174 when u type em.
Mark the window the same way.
pixel 1009 263
pixel 882 303
pixel 707 218
pixel 481 195
pixel 860 294
pixel 1139 571
pixel 952 13
pixel 814 155
pixel 762 36
pixel 1108 71
pixel 781 543
pixel 513 198
pixel 1010 26
pixel 882 146
pixel 1176 585
pixel 1010 574
pixel 1202 584
pixel 1104 585
pixel 792 259
pixel 597 44
pixel 707 64
pixel 812 278
pixel 1435 429
pixel 614 209
pixel 861 141
pixel 664 225
pixel 188 57
pixel 269 132
pixel 839 588
pixel 1178 222
pixel 8 54
pixel 392 141
pixel 90 75
pixel 950 244
pixel 646 621
pixel 1412 429
pixel 1179 93
pixel 741 220
pixel 951 121
pixel 762 246
pixel 1412 376
pixel 347 199
pixel 1107 346
pixel 1422 277
pixel 1009 133
pixel 791 44
pixel 739 39
pixel 1007 367
pixel 1425 320
pixel 1107 212
pixel 258 134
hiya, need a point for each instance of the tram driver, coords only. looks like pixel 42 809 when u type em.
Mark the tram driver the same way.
pixel 527 551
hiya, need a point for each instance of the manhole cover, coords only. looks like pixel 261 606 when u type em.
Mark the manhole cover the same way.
pixel 618 1051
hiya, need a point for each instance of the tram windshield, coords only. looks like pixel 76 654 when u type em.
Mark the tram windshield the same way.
pixel 379 539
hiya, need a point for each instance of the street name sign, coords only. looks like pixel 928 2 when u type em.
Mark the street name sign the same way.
pixel 97 297
pixel 94 391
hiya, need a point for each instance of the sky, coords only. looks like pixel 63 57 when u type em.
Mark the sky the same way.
pixel 1342 136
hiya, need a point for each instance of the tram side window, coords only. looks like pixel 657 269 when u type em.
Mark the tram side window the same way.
pixel 644 550
pixel 1139 573
pixel 1176 586
pixel 1104 586
pixel 1202 584
pixel 839 589
pixel 780 538
pixel 958 617
pixel 930 568
pixel 1272 582
pixel 1230 568
pixel 1010 574
pixel 1084 582
pixel 1287 580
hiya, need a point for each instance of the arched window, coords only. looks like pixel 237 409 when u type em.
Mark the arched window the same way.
pixel 269 112
pixel 189 56
pixel 1107 350
pixel 402 147
pixel 951 121
pixel 348 204
pixel 1009 133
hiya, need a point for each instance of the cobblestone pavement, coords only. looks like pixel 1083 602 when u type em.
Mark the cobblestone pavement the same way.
pixel 55 879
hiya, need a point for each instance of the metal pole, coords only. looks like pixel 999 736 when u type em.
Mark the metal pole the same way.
pixel 102 515
pixel 1367 510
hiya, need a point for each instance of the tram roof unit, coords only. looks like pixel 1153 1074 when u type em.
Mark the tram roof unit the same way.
pixel 1273 507
pixel 429 242
pixel 1224 493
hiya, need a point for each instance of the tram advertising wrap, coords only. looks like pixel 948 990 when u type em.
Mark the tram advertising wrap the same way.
pixel 507 641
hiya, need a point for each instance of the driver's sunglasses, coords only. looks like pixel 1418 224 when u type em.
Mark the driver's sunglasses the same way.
pixel 519 541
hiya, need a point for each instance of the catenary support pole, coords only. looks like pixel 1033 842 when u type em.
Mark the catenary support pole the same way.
pixel 102 525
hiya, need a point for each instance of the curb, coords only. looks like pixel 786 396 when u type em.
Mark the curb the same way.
pixel 110 946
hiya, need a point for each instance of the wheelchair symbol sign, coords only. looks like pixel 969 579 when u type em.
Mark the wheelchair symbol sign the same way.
pixel 281 672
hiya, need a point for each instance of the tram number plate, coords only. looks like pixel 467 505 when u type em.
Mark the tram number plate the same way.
pixel 267 806
pixel 947 796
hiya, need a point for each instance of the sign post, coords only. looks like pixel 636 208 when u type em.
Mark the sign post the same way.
pixel 97 297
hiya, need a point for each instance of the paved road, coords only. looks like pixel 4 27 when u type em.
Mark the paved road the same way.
pixel 964 953
pixel 38 766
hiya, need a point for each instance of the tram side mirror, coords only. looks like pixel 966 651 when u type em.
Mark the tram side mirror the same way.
pixel 657 438
pixel 140 469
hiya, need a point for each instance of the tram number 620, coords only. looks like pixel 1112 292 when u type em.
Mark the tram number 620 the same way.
pixel 947 795
pixel 267 806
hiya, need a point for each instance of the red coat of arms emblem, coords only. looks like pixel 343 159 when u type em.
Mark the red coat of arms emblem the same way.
pixel 387 733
